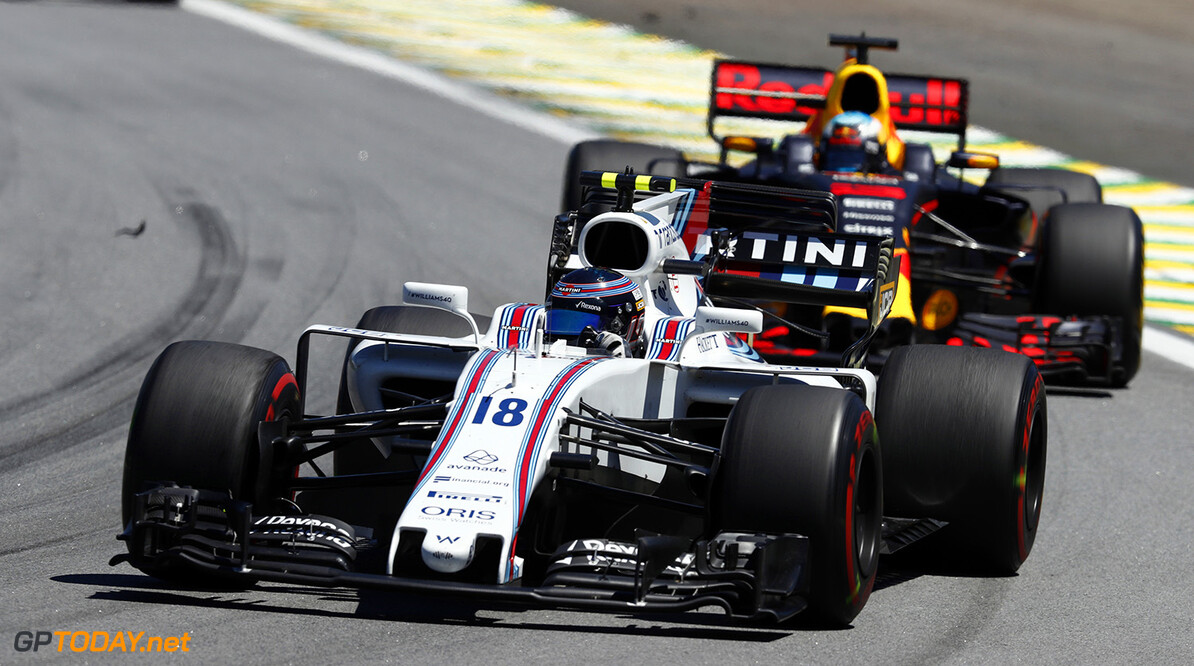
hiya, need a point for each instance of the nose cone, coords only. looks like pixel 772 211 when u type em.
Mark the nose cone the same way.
pixel 444 553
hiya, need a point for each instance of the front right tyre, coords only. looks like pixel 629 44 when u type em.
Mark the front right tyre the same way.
pixel 805 460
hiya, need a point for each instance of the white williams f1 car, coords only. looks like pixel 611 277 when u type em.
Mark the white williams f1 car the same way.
pixel 619 447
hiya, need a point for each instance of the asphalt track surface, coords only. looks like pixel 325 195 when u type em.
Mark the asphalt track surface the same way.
pixel 279 189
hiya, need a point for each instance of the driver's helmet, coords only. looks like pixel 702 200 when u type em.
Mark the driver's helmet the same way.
pixel 590 307
pixel 850 143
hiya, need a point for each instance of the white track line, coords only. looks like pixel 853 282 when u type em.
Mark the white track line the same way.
pixel 1177 348
pixel 1174 346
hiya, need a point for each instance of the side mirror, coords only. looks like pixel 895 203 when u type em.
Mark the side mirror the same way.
pixel 748 144
pixel 963 160
pixel 448 297
pixel 730 320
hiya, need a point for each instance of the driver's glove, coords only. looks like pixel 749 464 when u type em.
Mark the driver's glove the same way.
pixel 612 343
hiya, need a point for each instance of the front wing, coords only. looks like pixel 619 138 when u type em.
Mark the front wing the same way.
pixel 1073 349
pixel 754 576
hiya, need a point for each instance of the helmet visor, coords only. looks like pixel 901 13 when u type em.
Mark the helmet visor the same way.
pixel 844 158
pixel 569 323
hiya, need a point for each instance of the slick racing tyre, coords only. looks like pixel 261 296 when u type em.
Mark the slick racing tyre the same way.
pixel 1045 188
pixel 196 418
pixel 805 460
pixel 1091 262
pixel 964 434
pixel 611 155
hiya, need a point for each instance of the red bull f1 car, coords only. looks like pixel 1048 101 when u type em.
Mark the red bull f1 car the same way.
pixel 619 447
pixel 1030 261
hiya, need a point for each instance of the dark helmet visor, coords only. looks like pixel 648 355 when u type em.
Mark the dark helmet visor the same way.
pixel 569 323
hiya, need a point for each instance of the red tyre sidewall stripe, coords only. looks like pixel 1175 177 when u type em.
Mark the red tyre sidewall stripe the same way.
pixel 858 591
pixel 284 381
pixel 1022 472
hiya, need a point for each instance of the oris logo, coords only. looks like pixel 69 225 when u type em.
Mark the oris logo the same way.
pixel 459 514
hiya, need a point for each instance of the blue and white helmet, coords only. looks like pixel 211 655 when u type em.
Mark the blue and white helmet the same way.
pixel 850 143
pixel 589 302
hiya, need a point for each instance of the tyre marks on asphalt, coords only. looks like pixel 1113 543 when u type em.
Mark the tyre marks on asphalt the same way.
pixel 101 392
pixel 641 87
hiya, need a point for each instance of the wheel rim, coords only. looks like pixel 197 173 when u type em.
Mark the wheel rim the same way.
pixel 867 514
pixel 1034 475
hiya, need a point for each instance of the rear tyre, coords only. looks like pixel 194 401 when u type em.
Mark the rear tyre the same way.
pixel 1091 262
pixel 803 459
pixel 1045 188
pixel 612 155
pixel 964 434
pixel 196 418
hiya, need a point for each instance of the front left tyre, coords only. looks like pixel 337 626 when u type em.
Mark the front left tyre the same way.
pixel 1091 262
pixel 196 419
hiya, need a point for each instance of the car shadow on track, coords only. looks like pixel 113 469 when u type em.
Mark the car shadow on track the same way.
pixel 934 557
pixel 418 609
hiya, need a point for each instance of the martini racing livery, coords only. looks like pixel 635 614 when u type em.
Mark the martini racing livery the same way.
pixel 508 458
pixel 1031 261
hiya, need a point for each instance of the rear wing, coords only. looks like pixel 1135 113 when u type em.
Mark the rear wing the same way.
pixel 851 270
pixel 785 93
